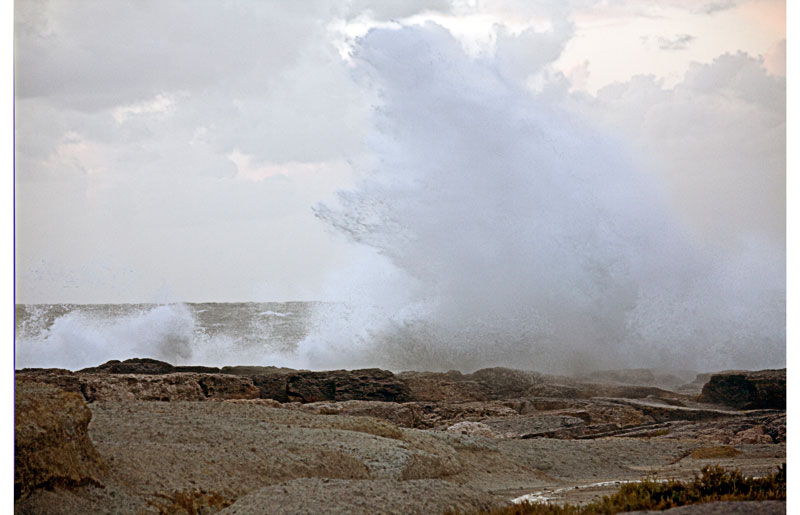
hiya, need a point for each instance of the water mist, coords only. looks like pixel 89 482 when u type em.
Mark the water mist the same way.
pixel 499 229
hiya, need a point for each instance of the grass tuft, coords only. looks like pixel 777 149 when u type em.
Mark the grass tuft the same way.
pixel 720 451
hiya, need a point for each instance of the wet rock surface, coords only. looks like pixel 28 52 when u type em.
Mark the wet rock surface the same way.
pixel 414 442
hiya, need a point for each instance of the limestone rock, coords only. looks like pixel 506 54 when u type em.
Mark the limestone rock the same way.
pixel 401 414
pixel 753 435
pixel 370 384
pixel 144 366
pixel 51 443
pixel 474 428
pixel 313 495
pixel 483 385
pixel 148 387
pixel 764 389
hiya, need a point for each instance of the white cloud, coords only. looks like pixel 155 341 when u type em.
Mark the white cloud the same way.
pixel 128 113
pixel 159 104
pixel 717 139
pixel 678 42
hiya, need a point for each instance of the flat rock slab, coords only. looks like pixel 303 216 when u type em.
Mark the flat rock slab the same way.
pixel 336 496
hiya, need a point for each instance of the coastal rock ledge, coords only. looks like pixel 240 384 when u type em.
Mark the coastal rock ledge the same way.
pixel 763 389
pixel 51 441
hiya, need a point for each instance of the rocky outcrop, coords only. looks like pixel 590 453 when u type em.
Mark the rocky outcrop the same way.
pixel 672 380
pixel 150 379
pixel 162 381
pixel 764 389
pixel 159 387
pixel 355 441
pixel 483 385
pixel 144 366
pixel 285 385
pixel 370 384
pixel 767 428
pixel 51 443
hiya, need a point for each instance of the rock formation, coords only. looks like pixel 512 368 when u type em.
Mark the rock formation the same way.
pixel 51 443
pixel 200 439
pixel 764 389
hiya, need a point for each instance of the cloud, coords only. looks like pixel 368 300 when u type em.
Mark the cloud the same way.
pixel 530 51
pixel 678 42
pixel 714 7
pixel 393 9
pixel 775 58
pixel 717 140
pixel 128 113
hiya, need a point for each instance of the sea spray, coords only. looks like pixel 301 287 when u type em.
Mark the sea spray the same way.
pixel 500 229
pixel 211 334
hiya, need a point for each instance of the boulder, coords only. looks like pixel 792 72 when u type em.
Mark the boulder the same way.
pixel 764 389
pixel 753 435
pixel 51 443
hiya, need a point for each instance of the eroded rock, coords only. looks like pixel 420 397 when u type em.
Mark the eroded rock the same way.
pixel 764 389
pixel 51 443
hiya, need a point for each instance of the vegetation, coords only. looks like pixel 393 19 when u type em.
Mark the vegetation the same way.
pixel 719 451
pixel 713 484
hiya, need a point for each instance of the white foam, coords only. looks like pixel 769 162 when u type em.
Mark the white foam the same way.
pixel 81 338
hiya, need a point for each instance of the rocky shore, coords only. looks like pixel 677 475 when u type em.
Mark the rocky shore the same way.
pixel 143 436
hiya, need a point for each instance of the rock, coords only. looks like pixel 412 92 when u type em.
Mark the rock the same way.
pixel 370 384
pixel 696 386
pixel 770 428
pixel 505 383
pixel 51 443
pixel 753 435
pixel 272 385
pixel 222 386
pixel 764 389
pixel 144 366
pixel 483 385
pixel 272 403
pixel 671 380
pixel 149 387
pixel 312 495
pixel 403 415
pixel 474 428
pixel 437 386
pixel 249 370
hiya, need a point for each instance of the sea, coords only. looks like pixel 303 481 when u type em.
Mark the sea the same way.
pixel 75 336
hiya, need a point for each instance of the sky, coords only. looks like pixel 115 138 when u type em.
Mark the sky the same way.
pixel 175 150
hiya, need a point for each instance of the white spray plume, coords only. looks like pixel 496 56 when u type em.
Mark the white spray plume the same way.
pixel 500 230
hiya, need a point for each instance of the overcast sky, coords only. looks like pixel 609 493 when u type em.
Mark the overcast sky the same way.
pixel 174 150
